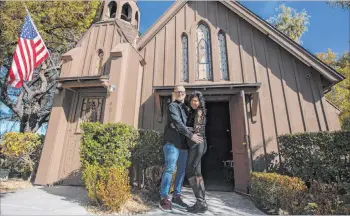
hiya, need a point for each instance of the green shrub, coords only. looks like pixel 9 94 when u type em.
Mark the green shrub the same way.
pixel 321 156
pixel 23 151
pixel 107 145
pixel 149 149
pixel 107 187
pixel 105 156
pixel 325 199
pixel 148 152
pixel 277 192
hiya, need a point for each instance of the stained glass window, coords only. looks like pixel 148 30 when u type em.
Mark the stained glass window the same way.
pixel 203 53
pixel 184 74
pixel 223 56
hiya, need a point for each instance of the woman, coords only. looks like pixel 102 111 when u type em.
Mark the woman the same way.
pixel 196 123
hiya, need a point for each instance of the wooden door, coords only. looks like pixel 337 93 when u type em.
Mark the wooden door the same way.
pixel 86 107
pixel 239 133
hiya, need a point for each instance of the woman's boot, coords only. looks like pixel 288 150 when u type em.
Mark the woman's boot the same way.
pixel 198 188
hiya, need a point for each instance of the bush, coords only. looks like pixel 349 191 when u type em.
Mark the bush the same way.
pixel 107 187
pixel 277 192
pixel 106 156
pixel 107 145
pixel 23 151
pixel 149 149
pixel 321 156
pixel 325 199
pixel 148 152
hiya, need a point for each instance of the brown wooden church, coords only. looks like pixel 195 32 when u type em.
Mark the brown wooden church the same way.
pixel 258 84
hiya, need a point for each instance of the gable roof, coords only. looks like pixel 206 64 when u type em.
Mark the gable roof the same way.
pixel 129 31
pixel 267 29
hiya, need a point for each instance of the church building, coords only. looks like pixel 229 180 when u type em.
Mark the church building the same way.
pixel 258 84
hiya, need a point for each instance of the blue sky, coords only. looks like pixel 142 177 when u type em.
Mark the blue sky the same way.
pixel 329 27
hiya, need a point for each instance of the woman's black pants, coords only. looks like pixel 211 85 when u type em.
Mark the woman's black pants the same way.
pixel 195 155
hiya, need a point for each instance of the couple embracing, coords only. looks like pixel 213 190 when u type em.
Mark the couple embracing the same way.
pixel 184 146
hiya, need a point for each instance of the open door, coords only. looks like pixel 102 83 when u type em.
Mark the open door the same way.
pixel 239 134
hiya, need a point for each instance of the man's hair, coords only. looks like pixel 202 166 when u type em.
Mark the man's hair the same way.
pixel 178 86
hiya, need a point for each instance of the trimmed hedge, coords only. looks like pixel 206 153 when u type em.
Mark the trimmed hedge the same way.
pixel 107 145
pixel 22 153
pixel 321 156
pixel 105 157
pixel 149 149
pixel 277 192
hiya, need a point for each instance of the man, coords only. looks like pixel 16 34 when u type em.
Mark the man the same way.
pixel 175 150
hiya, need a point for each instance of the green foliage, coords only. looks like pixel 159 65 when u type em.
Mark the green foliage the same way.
pixel 60 23
pixel 278 193
pixel 107 186
pixel 340 93
pixel 275 192
pixel 290 22
pixel 148 150
pixel 105 155
pixel 149 154
pixel 22 152
pixel 342 4
pixel 321 156
pixel 325 199
pixel 107 145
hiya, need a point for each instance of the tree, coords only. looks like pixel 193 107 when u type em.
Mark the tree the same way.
pixel 61 24
pixel 340 93
pixel 290 22
pixel 342 4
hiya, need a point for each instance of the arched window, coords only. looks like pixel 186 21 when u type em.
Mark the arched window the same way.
pixel 126 12
pixel 203 53
pixel 184 58
pixel 223 55
pixel 99 63
pixel 112 6
pixel 137 19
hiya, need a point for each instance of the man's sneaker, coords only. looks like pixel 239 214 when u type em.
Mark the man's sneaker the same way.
pixel 165 205
pixel 177 201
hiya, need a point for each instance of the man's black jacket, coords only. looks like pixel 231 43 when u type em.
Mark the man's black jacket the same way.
pixel 175 130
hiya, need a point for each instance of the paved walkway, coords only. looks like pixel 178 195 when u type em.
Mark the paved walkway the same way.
pixel 65 200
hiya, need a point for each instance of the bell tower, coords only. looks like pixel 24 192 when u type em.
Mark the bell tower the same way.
pixel 126 10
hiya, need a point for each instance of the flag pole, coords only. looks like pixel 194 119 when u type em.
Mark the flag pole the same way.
pixel 30 18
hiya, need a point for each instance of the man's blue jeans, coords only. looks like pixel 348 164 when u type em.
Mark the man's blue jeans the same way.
pixel 173 157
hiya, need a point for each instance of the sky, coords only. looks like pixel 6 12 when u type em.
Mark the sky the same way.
pixel 329 27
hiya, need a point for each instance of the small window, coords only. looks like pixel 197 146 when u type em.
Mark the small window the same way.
pixel 223 56
pixel 184 58
pixel 100 56
pixel 112 9
pixel 203 53
pixel 137 19
pixel 126 12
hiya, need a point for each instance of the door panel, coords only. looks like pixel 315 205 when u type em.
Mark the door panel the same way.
pixel 239 134
pixel 88 107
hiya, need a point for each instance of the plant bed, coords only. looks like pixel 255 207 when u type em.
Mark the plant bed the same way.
pixel 11 185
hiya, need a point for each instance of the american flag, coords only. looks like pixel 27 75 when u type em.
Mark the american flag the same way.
pixel 30 52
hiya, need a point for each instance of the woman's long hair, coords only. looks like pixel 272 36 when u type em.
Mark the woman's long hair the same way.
pixel 200 97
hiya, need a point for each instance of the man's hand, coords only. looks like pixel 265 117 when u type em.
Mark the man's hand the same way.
pixel 197 139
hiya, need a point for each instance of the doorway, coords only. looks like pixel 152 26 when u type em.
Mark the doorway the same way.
pixel 217 162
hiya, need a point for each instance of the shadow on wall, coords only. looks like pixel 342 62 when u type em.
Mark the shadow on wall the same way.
pixel 268 162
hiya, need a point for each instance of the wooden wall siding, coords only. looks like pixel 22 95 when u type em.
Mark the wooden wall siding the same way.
pixel 147 98
pixel 100 36
pixel 290 102
pixel 311 120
